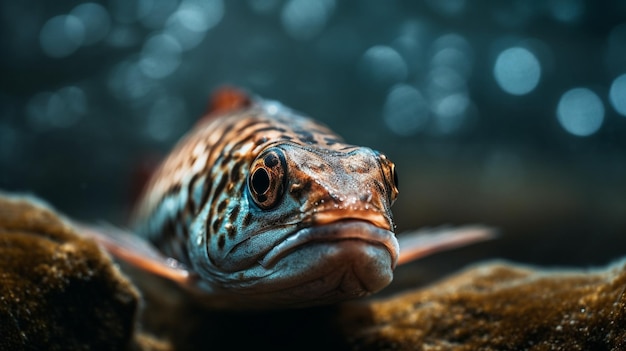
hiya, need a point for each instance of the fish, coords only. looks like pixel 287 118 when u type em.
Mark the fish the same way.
pixel 260 206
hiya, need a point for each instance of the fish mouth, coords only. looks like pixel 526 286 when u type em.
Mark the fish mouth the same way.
pixel 320 263
pixel 335 231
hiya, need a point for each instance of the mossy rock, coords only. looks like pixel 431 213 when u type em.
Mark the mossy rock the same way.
pixel 499 306
pixel 58 291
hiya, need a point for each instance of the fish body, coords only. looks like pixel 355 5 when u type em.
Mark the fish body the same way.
pixel 268 207
pixel 260 207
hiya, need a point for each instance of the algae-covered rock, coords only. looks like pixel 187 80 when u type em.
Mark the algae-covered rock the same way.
pixel 57 290
pixel 491 306
pixel 499 306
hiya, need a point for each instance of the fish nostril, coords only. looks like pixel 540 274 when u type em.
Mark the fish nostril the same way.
pixel 295 187
pixel 367 197
pixel 300 190
pixel 336 198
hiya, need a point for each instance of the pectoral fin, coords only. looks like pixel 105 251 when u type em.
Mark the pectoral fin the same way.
pixel 423 242
pixel 134 250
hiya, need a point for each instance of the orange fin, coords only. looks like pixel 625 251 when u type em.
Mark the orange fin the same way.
pixel 228 99
pixel 134 250
pixel 423 242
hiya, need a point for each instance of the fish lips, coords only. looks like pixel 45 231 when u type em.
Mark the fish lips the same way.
pixel 335 232
pixel 332 262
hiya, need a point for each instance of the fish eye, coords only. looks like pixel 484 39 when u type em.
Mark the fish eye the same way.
pixel 394 174
pixel 394 186
pixel 266 182
pixel 260 181
pixel 391 174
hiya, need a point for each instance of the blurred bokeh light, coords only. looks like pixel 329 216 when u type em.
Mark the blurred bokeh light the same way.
pixel 580 112
pixel 517 71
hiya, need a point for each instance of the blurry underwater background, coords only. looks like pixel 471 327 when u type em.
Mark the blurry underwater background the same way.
pixel 507 113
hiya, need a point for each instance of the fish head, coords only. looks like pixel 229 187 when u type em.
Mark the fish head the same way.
pixel 313 226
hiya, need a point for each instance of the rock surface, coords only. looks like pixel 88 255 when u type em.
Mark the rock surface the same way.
pixel 58 291
pixel 499 306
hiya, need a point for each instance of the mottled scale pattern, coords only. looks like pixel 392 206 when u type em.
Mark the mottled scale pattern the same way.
pixel 208 168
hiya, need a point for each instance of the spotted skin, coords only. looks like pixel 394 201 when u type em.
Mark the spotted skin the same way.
pixel 272 207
